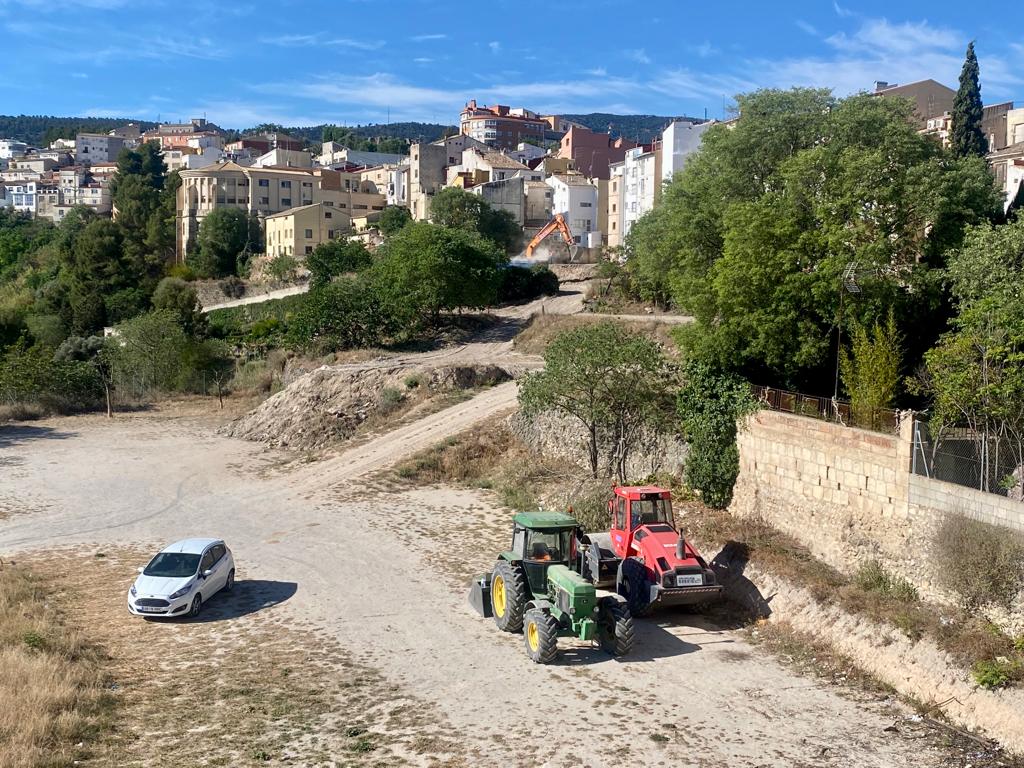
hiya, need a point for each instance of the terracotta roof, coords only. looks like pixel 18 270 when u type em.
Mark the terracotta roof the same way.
pixel 291 211
pixel 572 179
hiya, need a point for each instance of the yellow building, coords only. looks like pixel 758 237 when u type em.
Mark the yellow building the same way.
pixel 297 231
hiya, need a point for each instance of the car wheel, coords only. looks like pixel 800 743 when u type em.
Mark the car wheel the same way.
pixel 230 583
pixel 197 606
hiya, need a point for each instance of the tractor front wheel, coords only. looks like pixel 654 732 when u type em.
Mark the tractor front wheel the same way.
pixel 633 586
pixel 614 626
pixel 508 596
pixel 540 635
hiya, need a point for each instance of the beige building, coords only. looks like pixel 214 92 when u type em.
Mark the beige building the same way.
pixel 264 192
pixel 297 231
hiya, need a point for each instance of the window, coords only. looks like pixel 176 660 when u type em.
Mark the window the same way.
pixel 548 546
pixel 286 201
pixel 286 185
pixel 218 552
pixel 341 205
pixel 614 227
pixel 620 514
pixel 264 201
pixel 309 249
pixel 359 207
pixel 307 184
pixel 330 234
pixel 207 562
pixel 650 511
pixel 309 234
pixel 328 215
pixel 264 182
pixel 586 205
pixel 614 207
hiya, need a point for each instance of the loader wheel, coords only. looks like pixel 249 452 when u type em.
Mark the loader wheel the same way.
pixel 540 635
pixel 508 596
pixel 633 586
pixel 614 626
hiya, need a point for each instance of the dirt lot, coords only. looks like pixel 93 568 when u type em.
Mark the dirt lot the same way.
pixel 349 640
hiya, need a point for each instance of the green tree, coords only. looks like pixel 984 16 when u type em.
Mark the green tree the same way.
pixel 975 374
pixel 711 405
pixel 966 137
pixel 756 232
pixel 393 218
pixel 149 354
pixel 426 269
pixel 180 299
pixel 871 371
pixel 336 257
pixel 104 286
pixel 612 381
pixel 223 235
pixel 93 350
pixel 344 314
pixel 458 209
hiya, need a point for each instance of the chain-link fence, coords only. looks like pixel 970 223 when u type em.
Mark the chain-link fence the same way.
pixel 829 409
pixel 964 456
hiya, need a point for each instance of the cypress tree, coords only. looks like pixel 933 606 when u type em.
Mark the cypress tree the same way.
pixel 967 138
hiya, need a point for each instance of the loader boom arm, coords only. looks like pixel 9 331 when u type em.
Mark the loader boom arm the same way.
pixel 556 224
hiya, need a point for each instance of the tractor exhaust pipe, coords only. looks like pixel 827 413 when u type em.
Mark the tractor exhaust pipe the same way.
pixel 681 548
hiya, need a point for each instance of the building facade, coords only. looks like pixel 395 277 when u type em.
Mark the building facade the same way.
pixel 592 152
pixel 503 127
pixel 576 198
pixel 97 148
pixel 297 231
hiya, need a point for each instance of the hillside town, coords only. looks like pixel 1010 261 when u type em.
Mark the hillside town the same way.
pixel 532 166
pixel 406 443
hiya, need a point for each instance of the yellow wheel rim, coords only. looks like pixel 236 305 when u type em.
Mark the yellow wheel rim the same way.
pixel 532 637
pixel 498 596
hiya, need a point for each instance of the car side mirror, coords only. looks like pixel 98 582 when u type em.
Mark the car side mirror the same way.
pixel 206 573
pixel 140 569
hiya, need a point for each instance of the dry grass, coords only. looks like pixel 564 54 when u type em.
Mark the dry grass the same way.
pixel 980 563
pixel 52 694
pixel 543 329
pixel 245 685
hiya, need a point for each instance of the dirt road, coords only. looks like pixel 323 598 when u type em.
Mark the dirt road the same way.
pixel 381 571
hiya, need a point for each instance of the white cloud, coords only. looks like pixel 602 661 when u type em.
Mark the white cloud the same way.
pixel 638 55
pixel 705 49
pixel 423 38
pixel 422 60
pixel 879 36
pixel 302 41
pixel 841 11
pixel 807 27
pixel 495 46
pixel 596 72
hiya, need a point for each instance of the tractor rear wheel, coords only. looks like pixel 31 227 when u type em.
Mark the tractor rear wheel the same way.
pixel 633 586
pixel 508 596
pixel 540 635
pixel 614 626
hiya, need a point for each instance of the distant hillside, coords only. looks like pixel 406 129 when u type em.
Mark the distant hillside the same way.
pixel 40 130
pixel 409 131
pixel 640 128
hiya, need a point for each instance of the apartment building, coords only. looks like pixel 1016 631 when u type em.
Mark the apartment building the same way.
pixel 11 147
pixel 97 148
pixel 427 172
pixel 678 142
pixel 176 135
pixel 332 153
pixel 487 165
pixel 297 231
pixel 264 192
pixel 592 152
pixel 576 198
pixel 503 127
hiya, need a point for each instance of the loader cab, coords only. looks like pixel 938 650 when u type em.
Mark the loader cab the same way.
pixel 632 508
pixel 540 540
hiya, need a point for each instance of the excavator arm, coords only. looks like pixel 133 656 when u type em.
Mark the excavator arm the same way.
pixel 556 224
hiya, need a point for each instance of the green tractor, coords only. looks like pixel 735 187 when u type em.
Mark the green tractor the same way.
pixel 535 589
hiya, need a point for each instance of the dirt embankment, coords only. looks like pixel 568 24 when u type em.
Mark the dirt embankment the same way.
pixel 331 404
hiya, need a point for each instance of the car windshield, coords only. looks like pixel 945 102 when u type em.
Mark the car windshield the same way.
pixel 651 511
pixel 173 565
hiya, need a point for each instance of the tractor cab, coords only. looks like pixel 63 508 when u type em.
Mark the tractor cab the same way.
pixel 540 540
pixel 634 508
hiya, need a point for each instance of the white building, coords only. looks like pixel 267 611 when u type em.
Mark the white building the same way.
pixel 97 148
pixel 576 198
pixel 11 147
pixel 22 196
pixel 680 140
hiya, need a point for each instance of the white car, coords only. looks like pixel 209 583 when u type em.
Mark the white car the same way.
pixel 181 577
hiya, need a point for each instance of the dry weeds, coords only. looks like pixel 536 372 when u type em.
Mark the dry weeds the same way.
pixel 243 685
pixel 52 694
pixel 543 329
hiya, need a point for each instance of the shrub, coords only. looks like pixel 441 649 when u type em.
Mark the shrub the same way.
pixel 340 315
pixel 979 563
pixel 31 375
pixel 525 283
pixel 710 404
pixel 390 400
pixel 334 258
pixel 282 267
pixel 412 381
pixel 872 577
pixel 995 673
pixel 179 298
pixel 182 272
pixel 233 287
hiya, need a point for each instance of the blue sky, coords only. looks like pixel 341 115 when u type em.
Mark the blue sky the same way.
pixel 357 61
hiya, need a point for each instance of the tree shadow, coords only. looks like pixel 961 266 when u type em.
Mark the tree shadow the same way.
pixel 17 434
pixel 249 596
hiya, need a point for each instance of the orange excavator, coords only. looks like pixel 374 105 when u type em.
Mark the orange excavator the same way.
pixel 556 224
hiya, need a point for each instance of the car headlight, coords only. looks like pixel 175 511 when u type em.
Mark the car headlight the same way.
pixel 182 592
pixel 132 590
